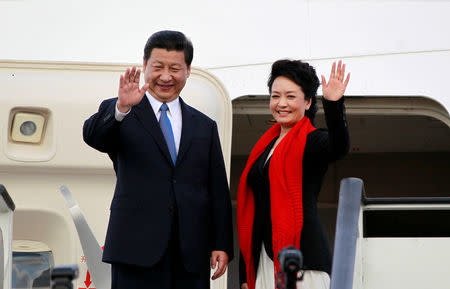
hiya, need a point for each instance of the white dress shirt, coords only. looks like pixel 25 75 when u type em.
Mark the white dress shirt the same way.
pixel 174 114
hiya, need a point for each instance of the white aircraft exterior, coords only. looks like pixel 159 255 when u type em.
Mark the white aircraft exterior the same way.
pixel 59 59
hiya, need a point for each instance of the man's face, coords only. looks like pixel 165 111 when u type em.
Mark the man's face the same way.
pixel 166 73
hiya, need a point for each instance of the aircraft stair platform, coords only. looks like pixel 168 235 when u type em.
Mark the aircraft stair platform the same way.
pixel 390 242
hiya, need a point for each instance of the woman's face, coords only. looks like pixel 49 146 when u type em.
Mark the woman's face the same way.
pixel 287 102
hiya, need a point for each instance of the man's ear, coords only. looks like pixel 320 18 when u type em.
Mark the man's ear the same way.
pixel 188 71
pixel 144 63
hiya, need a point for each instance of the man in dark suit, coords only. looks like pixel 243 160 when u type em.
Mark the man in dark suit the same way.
pixel 170 216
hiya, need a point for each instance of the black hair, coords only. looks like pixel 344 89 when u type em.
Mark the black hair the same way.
pixel 303 74
pixel 170 40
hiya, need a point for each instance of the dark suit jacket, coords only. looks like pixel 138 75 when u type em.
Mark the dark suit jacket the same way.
pixel 149 187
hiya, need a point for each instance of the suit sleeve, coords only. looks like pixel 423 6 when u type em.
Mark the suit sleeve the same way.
pixel 332 144
pixel 338 136
pixel 222 229
pixel 101 130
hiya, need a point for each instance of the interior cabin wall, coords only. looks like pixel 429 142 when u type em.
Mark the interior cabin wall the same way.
pixel 417 174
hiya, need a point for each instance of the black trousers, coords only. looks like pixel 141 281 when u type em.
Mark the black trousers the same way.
pixel 168 273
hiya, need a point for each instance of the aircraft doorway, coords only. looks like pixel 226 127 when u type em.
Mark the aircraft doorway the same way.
pixel 399 146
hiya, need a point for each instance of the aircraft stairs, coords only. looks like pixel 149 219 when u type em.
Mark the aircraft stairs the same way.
pixel 379 242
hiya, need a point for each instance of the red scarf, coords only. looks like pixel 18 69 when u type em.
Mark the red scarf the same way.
pixel 285 175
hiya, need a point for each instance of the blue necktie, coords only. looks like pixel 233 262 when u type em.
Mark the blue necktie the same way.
pixel 166 129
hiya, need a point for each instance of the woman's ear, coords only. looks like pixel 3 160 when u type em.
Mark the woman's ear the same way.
pixel 308 104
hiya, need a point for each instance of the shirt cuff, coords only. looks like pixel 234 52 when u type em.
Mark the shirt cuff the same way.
pixel 120 115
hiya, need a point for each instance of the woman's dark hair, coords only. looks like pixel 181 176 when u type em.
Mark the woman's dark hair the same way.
pixel 170 40
pixel 303 74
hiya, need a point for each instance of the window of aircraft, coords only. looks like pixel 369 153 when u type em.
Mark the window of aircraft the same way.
pixel 30 135
pixel 27 127
pixel 31 265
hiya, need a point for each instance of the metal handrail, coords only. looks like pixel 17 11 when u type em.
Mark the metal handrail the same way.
pixel 7 208
pixel 405 200
pixel 7 198
pixel 350 195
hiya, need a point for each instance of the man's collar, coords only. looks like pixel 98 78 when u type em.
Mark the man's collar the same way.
pixel 174 105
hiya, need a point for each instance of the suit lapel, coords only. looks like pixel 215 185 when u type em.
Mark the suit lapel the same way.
pixel 186 130
pixel 144 113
